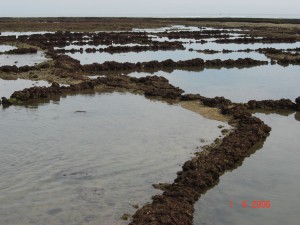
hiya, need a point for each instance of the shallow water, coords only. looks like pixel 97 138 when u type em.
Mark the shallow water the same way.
pixel 272 173
pixel 4 48
pixel 84 47
pixel 239 85
pixel 11 33
pixel 235 47
pixel 8 87
pixel 22 60
pixel 167 29
pixel 62 167
pixel 145 56
pixel 176 55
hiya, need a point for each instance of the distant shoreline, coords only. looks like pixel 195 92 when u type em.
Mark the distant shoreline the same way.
pixel 90 24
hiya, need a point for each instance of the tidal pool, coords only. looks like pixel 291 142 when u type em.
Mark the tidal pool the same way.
pixel 17 34
pixel 86 159
pixel 238 85
pixel 174 28
pixel 4 48
pixel 22 60
pixel 145 56
pixel 272 173
pixel 234 46
pixel 176 55
pixel 8 87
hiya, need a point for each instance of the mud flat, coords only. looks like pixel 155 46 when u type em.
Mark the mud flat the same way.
pixel 113 24
pixel 191 35
pixel 175 205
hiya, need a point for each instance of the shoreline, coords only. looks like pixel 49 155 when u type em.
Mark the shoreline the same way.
pixel 175 204
pixel 127 23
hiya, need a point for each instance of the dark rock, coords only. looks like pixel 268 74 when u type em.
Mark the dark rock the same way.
pixel 9 69
pixel 6 102
pixel 21 51
pixel 297 103
pixel 175 205
pixel 272 104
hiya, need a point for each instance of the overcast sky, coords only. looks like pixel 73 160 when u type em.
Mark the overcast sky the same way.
pixel 160 8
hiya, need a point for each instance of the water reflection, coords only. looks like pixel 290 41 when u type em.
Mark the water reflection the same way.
pixel 17 34
pixel 8 87
pixel 272 173
pixel 4 48
pixel 176 55
pixel 85 159
pixel 22 60
pixel 297 116
pixel 239 85
pixel 159 34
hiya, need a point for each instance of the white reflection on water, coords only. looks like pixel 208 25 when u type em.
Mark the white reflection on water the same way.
pixel 145 56
pixel 239 85
pixel 22 60
pixel 8 87
pixel 4 48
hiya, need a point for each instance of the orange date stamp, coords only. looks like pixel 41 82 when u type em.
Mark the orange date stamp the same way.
pixel 254 204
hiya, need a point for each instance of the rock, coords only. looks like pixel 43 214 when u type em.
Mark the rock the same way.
pixel 6 102
pixel 175 204
pixel 21 51
pixel 285 104
pixel 9 69
pixel 297 104
pixel 80 111
pixel 161 186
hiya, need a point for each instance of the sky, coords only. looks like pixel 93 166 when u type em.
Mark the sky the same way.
pixel 149 8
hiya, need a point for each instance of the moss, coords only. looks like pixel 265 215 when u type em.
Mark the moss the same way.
pixel 125 216
pixel 14 101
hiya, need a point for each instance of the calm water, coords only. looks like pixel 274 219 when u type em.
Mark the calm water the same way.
pixel 62 167
pixel 8 87
pixel 145 56
pixel 176 55
pixel 239 85
pixel 17 34
pixel 4 48
pixel 22 60
pixel 272 173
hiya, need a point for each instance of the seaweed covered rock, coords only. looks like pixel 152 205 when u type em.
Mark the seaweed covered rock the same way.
pixel 9 69
pixel 21 51
pixel 216 102
pixel 36 92
pixel 175 204
pixel 157 86
pixel 272 104
pixel 5 102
